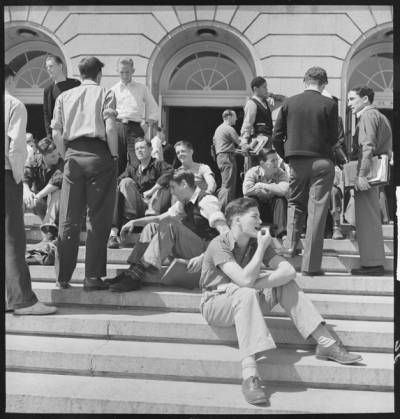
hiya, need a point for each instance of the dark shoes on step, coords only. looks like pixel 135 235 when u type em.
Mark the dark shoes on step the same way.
pixel 369 270
pixel 313 273
pixel 128 280
pixel 113 242
pixel 337 353
pixel 254 391
pixel 94 284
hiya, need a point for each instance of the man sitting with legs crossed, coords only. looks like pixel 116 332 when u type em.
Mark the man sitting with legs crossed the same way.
pixel 237 291
pixel 184 231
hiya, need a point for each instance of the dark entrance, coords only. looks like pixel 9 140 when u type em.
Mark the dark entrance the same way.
pixel 35 123
pixel 197 125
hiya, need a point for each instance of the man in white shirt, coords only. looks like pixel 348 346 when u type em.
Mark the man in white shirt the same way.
pixel 19 295
pixel 136 111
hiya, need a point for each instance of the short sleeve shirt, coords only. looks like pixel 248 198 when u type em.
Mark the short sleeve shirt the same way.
pixel 199 171
pixel 225 138
pixel 222 249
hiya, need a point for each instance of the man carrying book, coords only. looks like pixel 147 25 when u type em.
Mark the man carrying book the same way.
pixel 373 137
pixel 237 290
pixel 184 231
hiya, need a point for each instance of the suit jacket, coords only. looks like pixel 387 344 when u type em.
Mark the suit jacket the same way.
pixel 307 126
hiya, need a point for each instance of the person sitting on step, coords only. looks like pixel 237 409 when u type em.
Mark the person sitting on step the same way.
pixel 268 184
pixel 42 181
pixel 184 231
pixel 142 190
pixel 203 175
pixel 237 290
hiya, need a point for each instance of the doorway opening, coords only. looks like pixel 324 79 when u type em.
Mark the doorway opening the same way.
pixel 35 123
pixel 197 125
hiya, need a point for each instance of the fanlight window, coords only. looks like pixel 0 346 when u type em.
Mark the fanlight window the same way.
pixel 375 72
pixel 30 70
pixel 207 71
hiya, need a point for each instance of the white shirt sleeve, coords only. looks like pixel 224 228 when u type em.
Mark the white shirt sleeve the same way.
pixel 210 208
pixel 151 105
pixel 176 210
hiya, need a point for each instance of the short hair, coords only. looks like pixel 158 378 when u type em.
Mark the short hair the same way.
pixel 227 113
pixel 56 58
pixel 257 82
pixel 264 153
pixel 143 140
pixel 239 206
pixel 316 74
pixel 46 146
pixel 125 61
pixel 186 175
pixel 8 72
pixel 186 144
pixel 363 91
pixel 90 67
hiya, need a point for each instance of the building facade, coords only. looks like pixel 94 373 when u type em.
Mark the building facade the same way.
pixel 199 60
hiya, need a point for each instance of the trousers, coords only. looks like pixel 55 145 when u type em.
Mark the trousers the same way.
pixel 245 309
pixel 273 209
pixel 369 227
pixel 19 292
pixel 127 134
pixel 48 208
pixel 311 181
pixel 227 166
pixel 89 181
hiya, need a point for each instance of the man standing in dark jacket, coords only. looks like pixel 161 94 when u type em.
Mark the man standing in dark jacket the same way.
pixel 60 83
pixel 305 132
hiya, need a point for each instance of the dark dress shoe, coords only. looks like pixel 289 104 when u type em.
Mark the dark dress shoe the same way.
pixel 253 391
pixel 94 284
pixel 113 242
pixel 63 285
pixel 369 270
pixel 130 280
pixel 315 273
pixel 337 353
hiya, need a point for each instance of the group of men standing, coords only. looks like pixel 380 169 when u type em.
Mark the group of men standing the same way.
pixel 92 126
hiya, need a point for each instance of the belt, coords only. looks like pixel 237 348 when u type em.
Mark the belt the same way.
pixel 127 122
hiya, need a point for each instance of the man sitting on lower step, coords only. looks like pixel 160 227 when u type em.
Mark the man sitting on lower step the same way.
pixel 238 291
pixel 184 231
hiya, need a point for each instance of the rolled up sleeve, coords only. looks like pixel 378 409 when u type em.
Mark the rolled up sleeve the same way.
pixel 109 105
pixel 57 122
pixel 176 210
pixel 250 179
pixel 210 208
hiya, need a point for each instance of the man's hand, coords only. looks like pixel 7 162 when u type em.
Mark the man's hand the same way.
pixel 145 126
pixel 195 263
pixel 147 194
pixel 271 101
pixel 362 184
pixel 127 229
pixel 29 198
pixel 264 240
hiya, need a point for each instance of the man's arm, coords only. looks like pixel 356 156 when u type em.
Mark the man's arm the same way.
pixel 57 124
pixel 250 111
pixel 109 113
pixel 282 273
pixel 211 184
pixel 278 189
pixel 279 135
pixel 48 189
pixel 151 106
pixel 333 124
pixel 249 183
pixel 46 110
pixel 210 208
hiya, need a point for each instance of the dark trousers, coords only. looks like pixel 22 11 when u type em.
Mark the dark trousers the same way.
pixel 273 209
pixel 311 181
pixel 127 134
pixel 19 292
pixel 89 181
pixel 227 166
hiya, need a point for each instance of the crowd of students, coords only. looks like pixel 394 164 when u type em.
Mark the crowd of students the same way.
pixel 97 163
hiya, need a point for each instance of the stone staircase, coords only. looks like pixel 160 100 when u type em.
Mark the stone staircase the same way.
pixel 150 351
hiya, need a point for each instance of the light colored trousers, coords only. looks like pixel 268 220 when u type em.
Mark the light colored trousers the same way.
pixel 48 208
pixel 245 309
pixel 369 227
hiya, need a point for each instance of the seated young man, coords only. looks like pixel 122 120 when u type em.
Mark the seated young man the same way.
pixel 184 231
pixel 142 189
pixel 42 182
pixel 237 291
pixel 269 185
pixel 203 175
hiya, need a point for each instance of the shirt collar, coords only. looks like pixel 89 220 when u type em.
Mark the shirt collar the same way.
pixel 88 81
pixel 195 195
pixel 365 109
pixel 124 86
pixel 313 89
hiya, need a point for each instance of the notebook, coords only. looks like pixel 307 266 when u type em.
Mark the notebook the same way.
pixel 378 175
pixel 176 274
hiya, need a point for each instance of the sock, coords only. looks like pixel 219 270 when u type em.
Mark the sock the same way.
pixel 323 337
pixel 114 232
pixel 249 367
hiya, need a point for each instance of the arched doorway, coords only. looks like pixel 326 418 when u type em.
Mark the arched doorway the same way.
pixel 25 51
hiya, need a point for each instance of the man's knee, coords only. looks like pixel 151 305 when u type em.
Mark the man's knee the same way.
pixel 244 296
pixel 290 288
pixel 126 183
pixel 148 232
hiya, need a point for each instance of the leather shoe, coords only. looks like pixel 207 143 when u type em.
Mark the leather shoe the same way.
pixel 337 353
pixel 369 270
pixel 63 285
pixel 337 234
pixel 130 280
pixel 94 284
pixel 253 391
pixel 36 309
pixel 113 242
pixel 315 273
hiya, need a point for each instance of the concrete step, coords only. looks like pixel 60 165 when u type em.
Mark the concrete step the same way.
pixel 336 263
pixel 51 393
pixel 188 327
pixel 329 283
pixel 351 307
pixel 210 363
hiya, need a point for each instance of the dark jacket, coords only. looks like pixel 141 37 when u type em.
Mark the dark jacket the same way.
pixel 50 95
pixel 307 125
pixel 263 121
